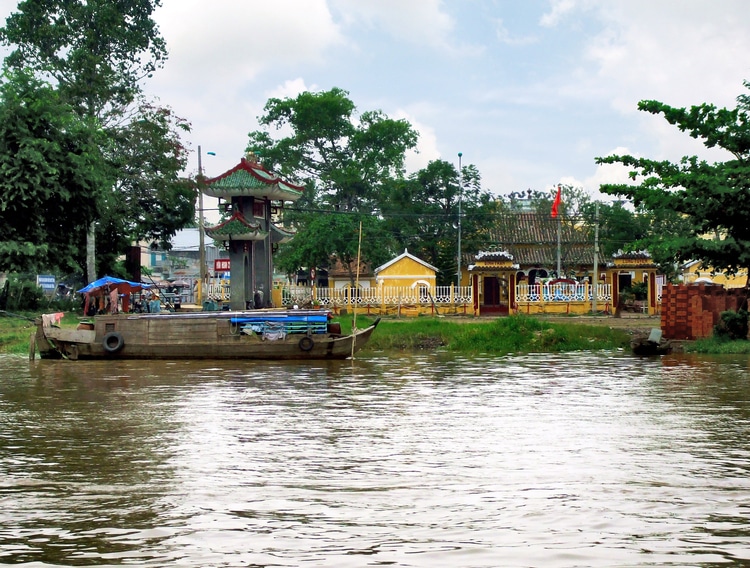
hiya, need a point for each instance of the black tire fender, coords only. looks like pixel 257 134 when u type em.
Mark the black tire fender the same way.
pixel 113 342
pixel 306 343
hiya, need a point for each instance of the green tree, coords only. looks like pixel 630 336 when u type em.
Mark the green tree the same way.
pixel 421 213
pixel 97 52
pixel 51 169
pixel 347 158
pixel 149 200
pixel 712 199
pixel 620 228
pixel 342 237
pixel 344 160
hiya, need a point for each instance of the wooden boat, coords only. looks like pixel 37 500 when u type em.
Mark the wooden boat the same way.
pixel 252 334
pixel 651 344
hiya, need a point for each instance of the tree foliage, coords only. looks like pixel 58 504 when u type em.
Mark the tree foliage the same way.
pixel 345 161
pixel 421 213
pixel 346 158
pixel 711 200
pixel 152 199
pixel 51 172
pixel 96 50
pixel 341 236
pixel 95 53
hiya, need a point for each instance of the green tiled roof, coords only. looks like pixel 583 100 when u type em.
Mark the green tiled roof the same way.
pixel 280 235
pixel 236 228
pixel 250 179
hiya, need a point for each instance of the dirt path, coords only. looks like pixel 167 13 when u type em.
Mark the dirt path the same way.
pixel 628 321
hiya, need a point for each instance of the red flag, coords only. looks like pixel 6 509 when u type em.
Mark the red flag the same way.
pixel 556 203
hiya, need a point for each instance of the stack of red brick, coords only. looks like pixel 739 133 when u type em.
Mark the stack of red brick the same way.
pixel 691 312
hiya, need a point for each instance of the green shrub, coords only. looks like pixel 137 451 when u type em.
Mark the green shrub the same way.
pixel 22 295
pixel 732 325
pixel 640 290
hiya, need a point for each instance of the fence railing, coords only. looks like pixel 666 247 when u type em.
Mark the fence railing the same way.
pixel 562 292
pixel 377 296
pixel 423 297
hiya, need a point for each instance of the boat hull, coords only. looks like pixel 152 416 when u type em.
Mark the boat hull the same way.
pixel 202 335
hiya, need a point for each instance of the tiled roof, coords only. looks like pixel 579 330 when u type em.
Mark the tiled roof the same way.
pixel 532 229
pixel 540 255
pixel 280 234
pixel 249 178
pixel 340 270
pixel 531 239
pixel 236 228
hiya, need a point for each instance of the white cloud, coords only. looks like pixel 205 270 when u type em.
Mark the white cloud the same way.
pixel 506 37
pixel 651 50
pixel 421 22
pixel 558 10
pixel 225 44
pixel 290 89
pixel 427 146
pixel 608 173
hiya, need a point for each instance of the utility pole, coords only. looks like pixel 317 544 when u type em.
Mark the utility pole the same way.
pixel 595 280
pixel 460 194
pixel 201 231
pixel 559 247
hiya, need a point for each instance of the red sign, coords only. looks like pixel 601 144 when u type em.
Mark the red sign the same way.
pixel 221 265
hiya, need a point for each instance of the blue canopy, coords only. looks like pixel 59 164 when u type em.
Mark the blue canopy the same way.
pixel 123 286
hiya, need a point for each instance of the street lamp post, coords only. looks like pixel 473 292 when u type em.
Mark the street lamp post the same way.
pixel 460 193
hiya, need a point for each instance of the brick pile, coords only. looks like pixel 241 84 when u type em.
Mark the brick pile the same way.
pixel 691 312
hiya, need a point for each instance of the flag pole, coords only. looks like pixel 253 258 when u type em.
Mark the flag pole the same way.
pixel 559 239
pixel 555 214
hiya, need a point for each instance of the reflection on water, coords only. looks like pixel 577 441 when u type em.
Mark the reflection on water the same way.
pixel 408 460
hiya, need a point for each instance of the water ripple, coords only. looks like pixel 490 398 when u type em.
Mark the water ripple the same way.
pixel 584 459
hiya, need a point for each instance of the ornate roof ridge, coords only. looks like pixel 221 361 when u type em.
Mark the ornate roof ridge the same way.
pixel 259 173
pixel 237 227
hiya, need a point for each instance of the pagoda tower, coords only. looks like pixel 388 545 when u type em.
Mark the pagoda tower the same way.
pixel 253 196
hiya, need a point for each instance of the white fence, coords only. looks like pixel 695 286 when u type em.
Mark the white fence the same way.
pixel 422 296
pixel 378 296
pixel 562 292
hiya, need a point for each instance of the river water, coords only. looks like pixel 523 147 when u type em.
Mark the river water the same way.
pixel 389 460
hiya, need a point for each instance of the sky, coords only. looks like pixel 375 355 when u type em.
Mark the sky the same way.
pixel 528 91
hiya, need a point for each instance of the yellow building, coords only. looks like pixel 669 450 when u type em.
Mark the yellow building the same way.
pixel 696 273
pixel 501 285
pixel 406 270
pixel 628 269
pixel 524 251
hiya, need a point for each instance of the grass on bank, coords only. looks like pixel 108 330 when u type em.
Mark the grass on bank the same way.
pixel 716 346
pixel 15 332
pixel 513 334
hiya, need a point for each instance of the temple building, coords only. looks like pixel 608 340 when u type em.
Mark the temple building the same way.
pixel 253 197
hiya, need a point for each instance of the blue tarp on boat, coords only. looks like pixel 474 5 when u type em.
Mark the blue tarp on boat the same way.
pixel 123 286
pixel 280 318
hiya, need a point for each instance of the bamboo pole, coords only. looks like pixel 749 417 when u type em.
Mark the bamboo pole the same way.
pixel 354 319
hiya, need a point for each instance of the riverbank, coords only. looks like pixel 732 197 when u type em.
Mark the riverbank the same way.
pixel 503 335
pixel 517 334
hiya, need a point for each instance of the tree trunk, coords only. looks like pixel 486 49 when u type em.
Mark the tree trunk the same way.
pixel 91 253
